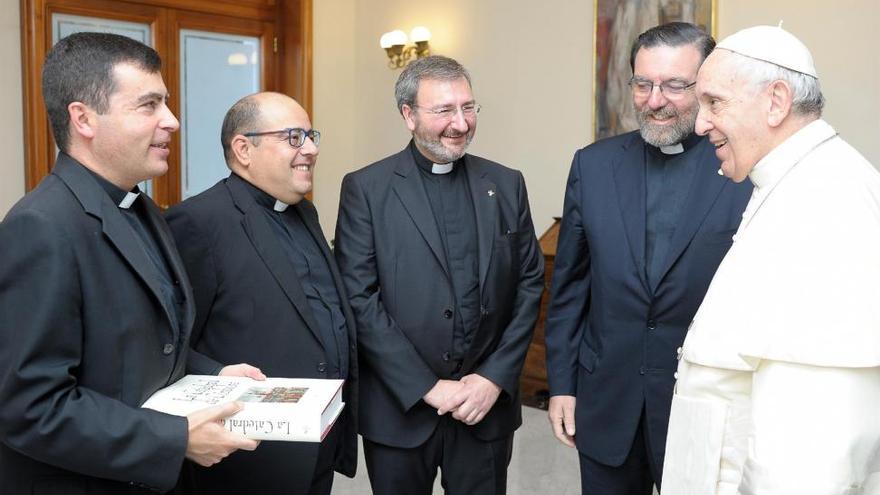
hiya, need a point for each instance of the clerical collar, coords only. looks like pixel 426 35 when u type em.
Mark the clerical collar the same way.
pixel 678 148
pixel 427 165
pixel 262 198
pixel 121 198
pixel 441 168
pixel 672 149
pixel 780 160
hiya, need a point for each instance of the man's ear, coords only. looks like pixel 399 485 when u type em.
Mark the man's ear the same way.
pixel 241 148
pixel 781 97
pixel 407 112
pixel 82 119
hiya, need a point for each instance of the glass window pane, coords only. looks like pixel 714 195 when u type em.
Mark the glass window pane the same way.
pixel 216 71
pixel 66 24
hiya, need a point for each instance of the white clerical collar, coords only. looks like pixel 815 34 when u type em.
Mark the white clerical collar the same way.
pixel 280 205
pixel 775 164
pixel 442 168
pixel 128 200
pixel 672 149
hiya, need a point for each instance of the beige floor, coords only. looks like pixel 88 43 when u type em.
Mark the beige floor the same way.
pixel 540 464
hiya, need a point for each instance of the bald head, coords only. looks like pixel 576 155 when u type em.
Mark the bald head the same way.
pixel 250 113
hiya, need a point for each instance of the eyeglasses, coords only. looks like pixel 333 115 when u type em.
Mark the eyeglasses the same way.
pixel 468 110
pixel 670 89
pixel 295 136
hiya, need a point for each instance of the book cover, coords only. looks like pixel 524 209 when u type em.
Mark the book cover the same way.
pixel 287 409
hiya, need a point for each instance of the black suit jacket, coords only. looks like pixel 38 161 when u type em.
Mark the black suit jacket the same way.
pixel 611 340
pixel 392 260
pixel 250 307
pixel 84 341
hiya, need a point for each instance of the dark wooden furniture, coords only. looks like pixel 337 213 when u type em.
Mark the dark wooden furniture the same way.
pixel 533 382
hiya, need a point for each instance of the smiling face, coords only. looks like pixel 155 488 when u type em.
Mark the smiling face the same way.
pixel 130 142
pixel 442 138
pixel 282 171
pixel 733 113
pixel 666 119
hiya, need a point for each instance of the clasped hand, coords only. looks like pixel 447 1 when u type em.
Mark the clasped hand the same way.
pixel 468 399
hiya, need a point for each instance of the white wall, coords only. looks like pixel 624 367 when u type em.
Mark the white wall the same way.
pixel 11 138
pixel 531 72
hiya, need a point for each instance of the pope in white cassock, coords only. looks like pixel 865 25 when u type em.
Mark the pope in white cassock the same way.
pixel 778 388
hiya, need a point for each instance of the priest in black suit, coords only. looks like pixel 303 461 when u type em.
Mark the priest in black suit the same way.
pixel 444 273
pixel 95 306
pixel 267 289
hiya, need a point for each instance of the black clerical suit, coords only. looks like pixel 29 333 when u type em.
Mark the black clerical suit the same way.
pixel 268 293
pixel 95 315
pixel 642 234
pixel 437 296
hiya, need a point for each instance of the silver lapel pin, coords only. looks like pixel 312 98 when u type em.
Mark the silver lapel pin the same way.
pixel 491 193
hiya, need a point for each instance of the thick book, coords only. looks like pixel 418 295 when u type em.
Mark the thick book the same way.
pixel 288 409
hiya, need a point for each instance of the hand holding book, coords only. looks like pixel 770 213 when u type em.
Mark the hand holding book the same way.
pixel 209 442
pixel 289 409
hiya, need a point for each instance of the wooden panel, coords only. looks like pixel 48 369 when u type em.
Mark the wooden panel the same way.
pixel 249 9
pixel 295 51
pixel 533 382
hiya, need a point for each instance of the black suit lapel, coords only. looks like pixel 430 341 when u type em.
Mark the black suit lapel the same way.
pixel 96 203
pixel 629 178
pixel 257 228
pixel 704 191
pixel 485 197
pixel 407 184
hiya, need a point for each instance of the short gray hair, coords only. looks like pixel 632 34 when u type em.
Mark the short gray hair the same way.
pixel 807 99
pixel 435 67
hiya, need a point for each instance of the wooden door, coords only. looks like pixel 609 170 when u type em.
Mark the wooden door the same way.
pixel 283 28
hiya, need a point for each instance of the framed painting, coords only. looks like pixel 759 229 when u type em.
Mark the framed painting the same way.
pixel 618 24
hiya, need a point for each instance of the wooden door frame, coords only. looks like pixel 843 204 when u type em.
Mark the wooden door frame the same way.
pixel 292 50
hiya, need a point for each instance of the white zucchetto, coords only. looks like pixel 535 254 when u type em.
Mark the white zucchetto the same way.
pixel 774 45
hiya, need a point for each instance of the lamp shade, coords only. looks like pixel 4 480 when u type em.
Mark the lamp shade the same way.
pixel 392 38
pixel 420 33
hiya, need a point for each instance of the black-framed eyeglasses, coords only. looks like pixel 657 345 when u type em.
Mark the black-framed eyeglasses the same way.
pixel 670 89
pixel 296 136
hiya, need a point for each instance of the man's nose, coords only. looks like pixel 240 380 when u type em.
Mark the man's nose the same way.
pixel 657 99
pixel 458 122
pixel 169 122
pixel 309 147
pixel 702 126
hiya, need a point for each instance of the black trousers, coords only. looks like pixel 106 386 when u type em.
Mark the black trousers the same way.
pixel 244 473
pixel 322 481
pixel 636 476
pixel 468 465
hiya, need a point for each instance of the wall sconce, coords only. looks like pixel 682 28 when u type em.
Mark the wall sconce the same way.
pixel 394 43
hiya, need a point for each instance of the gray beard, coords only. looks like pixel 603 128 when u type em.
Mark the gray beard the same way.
pixel 666 135
pixel 439 152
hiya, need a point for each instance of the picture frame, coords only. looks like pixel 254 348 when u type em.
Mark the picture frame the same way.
pixel 617 25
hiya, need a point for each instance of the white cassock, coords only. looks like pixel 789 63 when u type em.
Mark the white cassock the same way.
pixel 778 388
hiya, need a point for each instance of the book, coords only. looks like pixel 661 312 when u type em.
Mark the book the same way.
pixel 287 409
